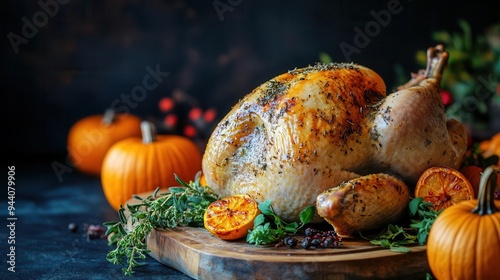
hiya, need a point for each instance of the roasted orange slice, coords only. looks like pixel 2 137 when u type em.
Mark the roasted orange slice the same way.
pixel 443 187
pixel 231 218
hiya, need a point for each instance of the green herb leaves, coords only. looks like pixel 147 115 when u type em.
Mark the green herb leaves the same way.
pixel 426 217
pixel 264 233
pixel 180 206
pixel 395 237
pixel 476 157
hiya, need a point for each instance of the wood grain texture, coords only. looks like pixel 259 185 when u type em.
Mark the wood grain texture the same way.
pixel 200 255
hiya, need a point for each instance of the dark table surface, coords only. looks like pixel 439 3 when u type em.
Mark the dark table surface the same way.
pixel 45 204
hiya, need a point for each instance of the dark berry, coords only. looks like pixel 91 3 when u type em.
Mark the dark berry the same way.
pixel 291 241
pixel 309 231
pixel 73 227
pixel 306 243
pixel 316 242
pixel 95 232
pixel 328 242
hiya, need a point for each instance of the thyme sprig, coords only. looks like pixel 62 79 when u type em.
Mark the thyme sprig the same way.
pixel 182 205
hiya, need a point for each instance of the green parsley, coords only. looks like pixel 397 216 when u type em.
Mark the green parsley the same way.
pixel 184 205
pixel 264 232
pixel 426 217
pixel 395 237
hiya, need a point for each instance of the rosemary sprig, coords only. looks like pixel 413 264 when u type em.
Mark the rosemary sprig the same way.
pixel 180 206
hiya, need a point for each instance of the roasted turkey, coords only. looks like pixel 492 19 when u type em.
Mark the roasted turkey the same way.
pixel 310 129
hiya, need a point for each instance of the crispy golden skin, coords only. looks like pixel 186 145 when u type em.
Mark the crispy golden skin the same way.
pixel 294 136
pixel 364 203
pixel 310 129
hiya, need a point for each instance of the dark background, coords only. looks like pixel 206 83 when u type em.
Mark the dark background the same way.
pixel 91 52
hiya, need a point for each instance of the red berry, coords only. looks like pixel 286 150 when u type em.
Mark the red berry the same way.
pixel 447 98
pixel 209 115
pixel 170 120
pixel 166 104
pixel 190 131
pixel 195 113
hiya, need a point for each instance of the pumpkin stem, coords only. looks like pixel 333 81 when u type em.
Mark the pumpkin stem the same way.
pixel 485 198
pixel 148 132
pixel 109 116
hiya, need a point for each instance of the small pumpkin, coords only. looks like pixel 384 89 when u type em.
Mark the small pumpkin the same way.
pixel 464 241
pixel 90 138
pixel 473 174
pixel 491 146
pixel 136 165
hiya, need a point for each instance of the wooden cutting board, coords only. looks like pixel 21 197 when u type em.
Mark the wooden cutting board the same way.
pixel 200 255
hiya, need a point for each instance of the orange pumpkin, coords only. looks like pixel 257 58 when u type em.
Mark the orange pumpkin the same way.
pixel 491 146
pixel 90 138
pixel 473 174
pixel 136 165
pixel 464 241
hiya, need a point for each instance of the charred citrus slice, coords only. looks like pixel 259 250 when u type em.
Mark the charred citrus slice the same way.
pixel 232 217
pixel 443 187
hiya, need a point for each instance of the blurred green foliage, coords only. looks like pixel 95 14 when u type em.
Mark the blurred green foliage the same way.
pixel 473 73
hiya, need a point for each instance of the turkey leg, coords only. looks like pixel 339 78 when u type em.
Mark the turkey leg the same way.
pixel 410 131
pixel 437 59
